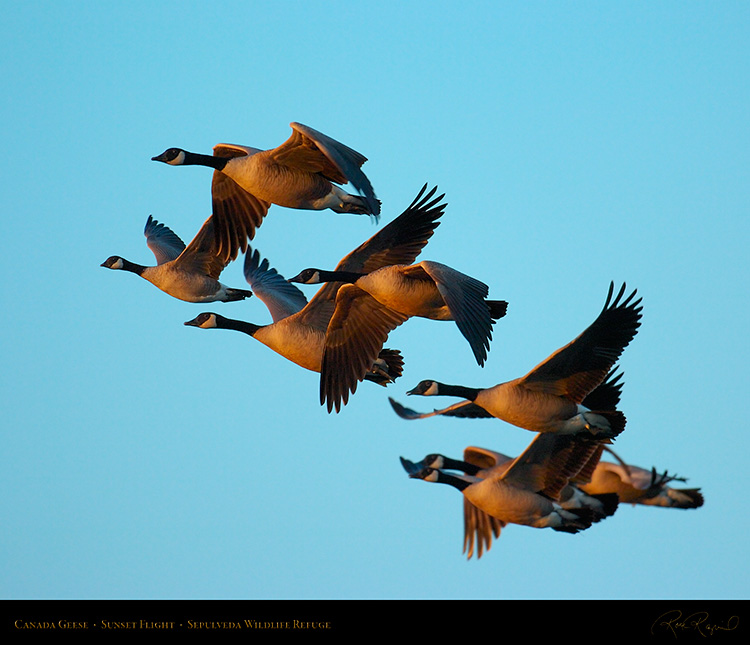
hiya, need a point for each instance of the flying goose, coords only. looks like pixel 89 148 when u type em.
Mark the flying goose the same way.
pixel 301 173
pixel 477 462
pixel 189 273
pixel 550 397
pixel 371 305
pixel 529 490
pixel 299 327
pixel 635 485
pixel 481 463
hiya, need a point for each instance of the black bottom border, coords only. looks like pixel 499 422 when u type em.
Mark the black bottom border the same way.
pixel 322 620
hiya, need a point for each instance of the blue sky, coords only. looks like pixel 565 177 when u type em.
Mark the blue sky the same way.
pixel 576 143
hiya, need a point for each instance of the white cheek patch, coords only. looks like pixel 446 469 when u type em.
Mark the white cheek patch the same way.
pixel 210 323
pixel 432 390
pixel 118 264
pixel 178 160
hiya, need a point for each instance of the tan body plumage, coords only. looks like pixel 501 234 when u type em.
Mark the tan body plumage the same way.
pixel 299 327
pixel 550 397
pixel 303 172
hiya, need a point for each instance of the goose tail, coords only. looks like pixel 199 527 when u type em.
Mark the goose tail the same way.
pixel 616 420
pixel 233 295
pixel 357 205
pixel 388 367
pixel 498 308
pixel 575 520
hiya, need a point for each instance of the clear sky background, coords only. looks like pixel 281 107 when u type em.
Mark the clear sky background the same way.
pixel 577 143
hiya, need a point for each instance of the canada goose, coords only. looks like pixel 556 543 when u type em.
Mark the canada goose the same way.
pixel 189 273
pixel 299 343
pixel 635 485
pixel 529 490
pixel 300 173
pixel 373 304
pixel 549 398
pixel 481 463
pixel 299 327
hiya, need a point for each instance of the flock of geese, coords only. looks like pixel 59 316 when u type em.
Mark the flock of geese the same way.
pixel 570 400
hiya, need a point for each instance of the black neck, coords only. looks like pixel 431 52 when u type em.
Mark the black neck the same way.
pixel 455 464
pixel 196 159
pixel 456 482
pixel 238 325
pixel 132 267
pixel 339 276
pixel 458 390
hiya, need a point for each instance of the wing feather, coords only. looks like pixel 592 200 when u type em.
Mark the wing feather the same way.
pixel 163 242
pixel 577 368
pixel 466 300
pixel 356 333
pixel 202 255
pixel 281 297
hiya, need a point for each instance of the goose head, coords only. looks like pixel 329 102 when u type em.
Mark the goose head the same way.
pixel 205 321
pixel 426 388
pixel 430 461
pixel 416 471
pixel 427 474
pixel 307 276
pixel 172 156
pixel 114 262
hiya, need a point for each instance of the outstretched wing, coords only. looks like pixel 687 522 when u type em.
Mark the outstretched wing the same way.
pixel 465 409
pixel 484 458
pixel 237 212
pixel 577 368
pixel 479 527
pixel 163 242
pixel 203 255
pixel 549 462
pixel 606 395
pixel 281 297
pixel 356 333
pixel 399 242
pixel 466 300
pixel 312 151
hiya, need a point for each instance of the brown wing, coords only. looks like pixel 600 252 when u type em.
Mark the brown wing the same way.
pixel 583 476
pixel 606 395
pixel 577 368
pixel 203 254
pixel 483 458
pixel 400 241
pixel 312 151
pixel 479 527
pixel 356 333
pixel 164 243
pixel 464 409
pixel 300 151
pixel 549 463
pixel 237 212
pixel 466 300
